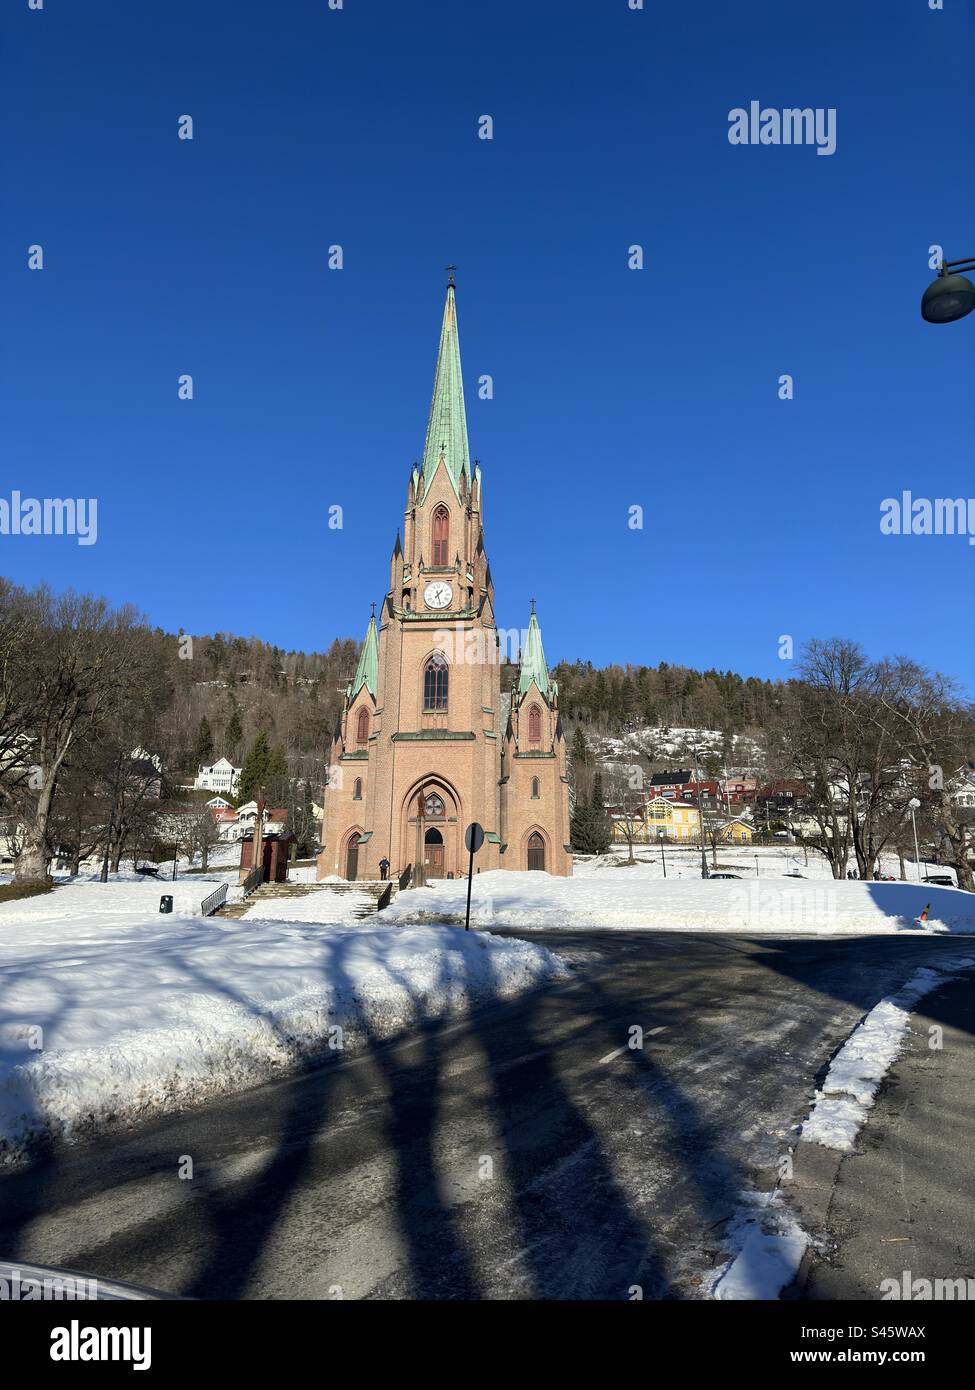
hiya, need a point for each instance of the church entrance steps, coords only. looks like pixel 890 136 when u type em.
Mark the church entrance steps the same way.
pixel 371 889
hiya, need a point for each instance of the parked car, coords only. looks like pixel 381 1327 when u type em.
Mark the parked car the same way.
pixel 942 880
pixel 792 874
pixel 713 875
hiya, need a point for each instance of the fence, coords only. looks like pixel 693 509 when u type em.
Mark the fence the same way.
pixel 216 899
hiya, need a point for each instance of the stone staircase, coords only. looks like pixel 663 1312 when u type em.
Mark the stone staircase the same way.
pixel 372 888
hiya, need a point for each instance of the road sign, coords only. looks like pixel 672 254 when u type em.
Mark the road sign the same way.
pixel 473 839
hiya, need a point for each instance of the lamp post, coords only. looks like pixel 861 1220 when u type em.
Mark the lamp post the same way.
pixel 951 296
pixel 915 805
pixel 662 836
pixel 700 815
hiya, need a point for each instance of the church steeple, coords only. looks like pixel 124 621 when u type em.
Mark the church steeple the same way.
pixel 367 671
pixel 447 426
pixel 533 667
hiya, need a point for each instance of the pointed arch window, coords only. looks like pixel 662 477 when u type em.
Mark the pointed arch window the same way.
pixel 362 727
pixel 534 725
pixel 534 789
pixel 435 684
pixel 441 536
pixel 433 807
pixel 357 789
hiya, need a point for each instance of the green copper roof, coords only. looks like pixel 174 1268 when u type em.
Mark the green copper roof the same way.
pixel 367 671
pixel 447 426
pixel 533 666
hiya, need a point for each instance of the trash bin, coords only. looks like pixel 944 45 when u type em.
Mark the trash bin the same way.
pixel 166 902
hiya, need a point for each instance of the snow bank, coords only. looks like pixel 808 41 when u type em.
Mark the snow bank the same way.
pixel 109 1014
pixel 625 898
pixel 768 1245
pixel 857 1070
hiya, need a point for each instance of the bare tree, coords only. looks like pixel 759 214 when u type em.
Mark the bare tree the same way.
pixel 80 657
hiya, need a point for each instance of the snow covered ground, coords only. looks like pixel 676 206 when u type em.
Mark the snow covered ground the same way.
pixel 637 897
pixel 110 1012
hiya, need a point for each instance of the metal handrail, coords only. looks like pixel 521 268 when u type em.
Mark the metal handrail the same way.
pixel 253 880
pixel 214 900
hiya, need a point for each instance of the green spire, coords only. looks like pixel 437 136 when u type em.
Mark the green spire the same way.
pixel 367 671
pixel 533 667
pixel 447 426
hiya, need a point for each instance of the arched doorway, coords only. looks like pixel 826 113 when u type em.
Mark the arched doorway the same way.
pixel 352 857
pixel 433 859
pixel 536 851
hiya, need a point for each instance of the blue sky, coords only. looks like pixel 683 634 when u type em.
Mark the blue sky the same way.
pixel 612 387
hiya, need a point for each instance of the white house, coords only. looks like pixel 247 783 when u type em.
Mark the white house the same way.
pixel 274 819
pixel 221 776
pixel 962 788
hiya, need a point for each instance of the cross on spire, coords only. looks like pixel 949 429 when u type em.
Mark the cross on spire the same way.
pixel 450 274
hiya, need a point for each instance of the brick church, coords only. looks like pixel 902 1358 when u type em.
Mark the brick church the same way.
pixel 427 741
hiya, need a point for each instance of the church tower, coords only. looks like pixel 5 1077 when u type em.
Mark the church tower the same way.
pixel 426 742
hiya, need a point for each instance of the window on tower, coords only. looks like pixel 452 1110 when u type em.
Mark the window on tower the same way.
pixel 362 727
pixel 441 536
pixel 534 725
pixel 435 683
pixel 357 790
pixel 534 789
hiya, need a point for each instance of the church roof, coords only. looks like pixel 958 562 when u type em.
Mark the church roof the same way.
pixel 533 667
pixel 447 425
pixel 367 671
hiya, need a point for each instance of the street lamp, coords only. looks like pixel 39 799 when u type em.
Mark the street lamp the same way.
pixel 951 296
pixel 915 805
pixel 700 816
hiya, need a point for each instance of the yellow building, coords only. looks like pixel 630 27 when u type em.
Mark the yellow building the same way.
pixel 658 819
pixel 735 832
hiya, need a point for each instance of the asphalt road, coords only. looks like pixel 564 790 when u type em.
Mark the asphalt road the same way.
pixel 527 1151
pixel 901 1208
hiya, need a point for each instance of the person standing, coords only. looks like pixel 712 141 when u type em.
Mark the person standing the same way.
pixel 384 868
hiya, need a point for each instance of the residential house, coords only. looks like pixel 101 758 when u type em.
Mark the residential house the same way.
pixel 220 776
pixel 659 819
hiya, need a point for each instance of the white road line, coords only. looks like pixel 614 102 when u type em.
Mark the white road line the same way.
pixel 620 1050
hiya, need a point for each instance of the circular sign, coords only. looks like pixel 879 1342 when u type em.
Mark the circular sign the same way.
pixel 474 837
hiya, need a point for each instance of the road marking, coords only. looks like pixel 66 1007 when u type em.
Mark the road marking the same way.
pixel 620 1050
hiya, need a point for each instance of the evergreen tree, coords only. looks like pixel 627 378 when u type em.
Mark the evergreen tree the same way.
pixel 255 771
pixel 203 747
pixel 590 830
pixel 580 829
pixel 600 829
pixel 235 732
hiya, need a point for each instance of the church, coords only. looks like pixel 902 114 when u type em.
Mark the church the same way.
pixel 427 741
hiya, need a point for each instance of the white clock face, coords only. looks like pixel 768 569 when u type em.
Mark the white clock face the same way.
pixel 438 594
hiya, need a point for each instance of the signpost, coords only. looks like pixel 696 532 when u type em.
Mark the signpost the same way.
pixel 473 839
